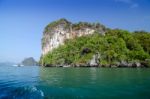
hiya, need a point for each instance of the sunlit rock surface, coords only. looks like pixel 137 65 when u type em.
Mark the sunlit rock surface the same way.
pixel 57 32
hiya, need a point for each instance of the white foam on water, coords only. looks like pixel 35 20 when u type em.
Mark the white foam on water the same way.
pixel 34 89
pixel 42 93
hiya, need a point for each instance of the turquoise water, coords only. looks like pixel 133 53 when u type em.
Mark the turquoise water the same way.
pixel 74 83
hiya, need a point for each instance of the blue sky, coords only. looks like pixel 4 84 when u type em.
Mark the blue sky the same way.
pixel 22 21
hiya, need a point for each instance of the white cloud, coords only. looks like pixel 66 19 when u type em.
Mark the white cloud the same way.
pixel 131 3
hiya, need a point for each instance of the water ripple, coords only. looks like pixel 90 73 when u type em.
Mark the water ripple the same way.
pixel 27 92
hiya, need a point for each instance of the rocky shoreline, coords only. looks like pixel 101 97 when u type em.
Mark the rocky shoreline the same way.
pixel 123 64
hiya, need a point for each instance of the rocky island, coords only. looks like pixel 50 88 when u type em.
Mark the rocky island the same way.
pixel 86 44
pixel 29 62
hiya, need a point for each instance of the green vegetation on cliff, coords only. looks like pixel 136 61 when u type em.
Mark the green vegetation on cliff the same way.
pixel 56 23
pixel 114 47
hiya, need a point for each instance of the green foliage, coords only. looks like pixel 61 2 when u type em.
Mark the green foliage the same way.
pixel 115 46
pixel 55 23
pixel 144 39
pixel 82 25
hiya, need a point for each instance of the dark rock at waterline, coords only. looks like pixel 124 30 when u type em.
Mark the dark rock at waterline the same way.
pixel 93 63
pixel 146 63
pixel 136 64
pixel 133 64
pixel 49 65
pixel 123 64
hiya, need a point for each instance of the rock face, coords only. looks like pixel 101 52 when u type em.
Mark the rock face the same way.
pixel 95 60
pixel 57 32
pixel 29 62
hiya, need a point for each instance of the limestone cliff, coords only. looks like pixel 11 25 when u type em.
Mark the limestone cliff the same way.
pixel 57 32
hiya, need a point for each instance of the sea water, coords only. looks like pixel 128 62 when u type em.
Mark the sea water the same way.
pixel 34 82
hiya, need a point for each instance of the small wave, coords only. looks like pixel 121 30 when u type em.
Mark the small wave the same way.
pixel 29 92
pixel 35 90
pixel 42 93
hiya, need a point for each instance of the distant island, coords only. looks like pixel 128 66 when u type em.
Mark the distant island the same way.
pixel 29 62
pixel 86 44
